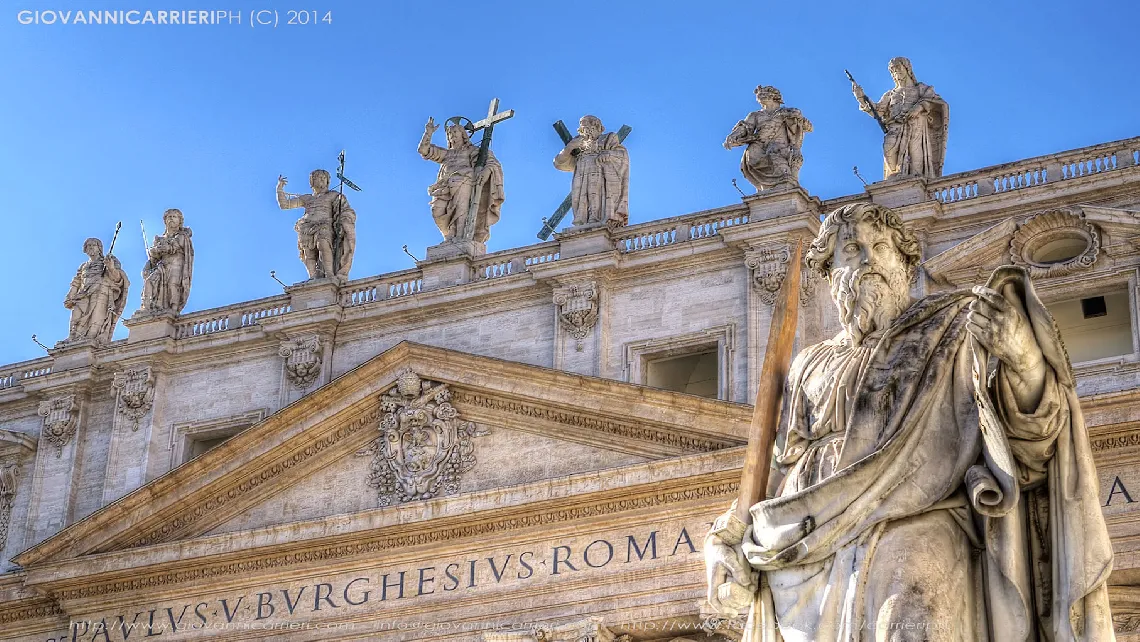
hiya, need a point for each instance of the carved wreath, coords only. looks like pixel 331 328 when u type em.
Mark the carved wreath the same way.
pixel 1053 225
pixel 424 447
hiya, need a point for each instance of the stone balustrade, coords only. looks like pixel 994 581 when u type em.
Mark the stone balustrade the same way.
pixel 1032 172
pixel 16 373
pixel 382 287
pixel 230 317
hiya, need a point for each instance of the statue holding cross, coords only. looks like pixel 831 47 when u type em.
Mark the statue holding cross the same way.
pixel 467 194
pixel 600 190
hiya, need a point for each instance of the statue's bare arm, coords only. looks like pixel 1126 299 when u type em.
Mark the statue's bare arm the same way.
pixel 285 201
pixel 998 323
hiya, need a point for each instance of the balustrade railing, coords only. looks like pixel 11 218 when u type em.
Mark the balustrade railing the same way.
pixel 380 288
pixel 1032 172
pixel 16 373
pixel 231 317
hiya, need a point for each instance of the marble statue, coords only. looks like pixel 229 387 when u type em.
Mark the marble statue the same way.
pixel 932 477
pixel 774 135
pixel 600 189
pixel 169 267
pixel 326 232
pixel 453 186
pixel 915 121
pixel 97 296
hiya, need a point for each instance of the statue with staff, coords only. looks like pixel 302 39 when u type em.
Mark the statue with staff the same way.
pixel 926 474
pixel 326 232
pixel 97 295
pixel 467 195
pixel 914 119
pixel 169 267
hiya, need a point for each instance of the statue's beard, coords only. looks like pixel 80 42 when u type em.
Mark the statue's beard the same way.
pixel 868 300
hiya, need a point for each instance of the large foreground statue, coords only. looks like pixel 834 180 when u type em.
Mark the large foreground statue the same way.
pixel 97 296
pixel 169 267
pixel 326 232
pixel 915 121
pixel 932 477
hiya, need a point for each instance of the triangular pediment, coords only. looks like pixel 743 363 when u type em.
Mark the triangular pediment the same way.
pixel 315 458
pixel 972 260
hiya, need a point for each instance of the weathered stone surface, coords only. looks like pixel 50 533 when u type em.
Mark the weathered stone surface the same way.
pixel 772 137
pixel 915 122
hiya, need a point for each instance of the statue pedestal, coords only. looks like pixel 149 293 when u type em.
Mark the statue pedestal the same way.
pixel 899 191
pixel 581 240
pixel 144 326
pixel 455 248
pixel 772 204
pixel 314 293
pixel 72 355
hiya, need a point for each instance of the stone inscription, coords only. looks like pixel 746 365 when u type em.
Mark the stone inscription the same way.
pixel 297 605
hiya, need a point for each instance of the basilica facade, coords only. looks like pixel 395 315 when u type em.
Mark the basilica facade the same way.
pixel 524 445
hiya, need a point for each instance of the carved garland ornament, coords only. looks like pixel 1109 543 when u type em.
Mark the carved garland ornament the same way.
pixel 136 393
pixel 577 309
pixel 1048 227
pixel 302 361
pixel 59 415
pixel 423 447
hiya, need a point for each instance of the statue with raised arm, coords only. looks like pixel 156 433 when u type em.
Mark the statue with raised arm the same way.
pixel 915 121
pixel 774 135
pixel 326 232
pixel 169 267
pixel 97 296
pixel 454 185
pixel 600 189
pixel 932 476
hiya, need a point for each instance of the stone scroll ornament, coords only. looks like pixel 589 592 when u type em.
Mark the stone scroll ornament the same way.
pixel 60 414
pixel 577 309
pixel 424 447
pixel 302 361
pixel 136 394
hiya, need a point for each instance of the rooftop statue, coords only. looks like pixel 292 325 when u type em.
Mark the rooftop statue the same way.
pixel 600 190
pixel 456 183
pixel 914 120
pixel 774 135
pixel 326 232
pixel 169 267
pixel 97 296
pixel 932 477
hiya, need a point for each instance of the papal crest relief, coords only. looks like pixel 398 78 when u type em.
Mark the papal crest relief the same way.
pixel 423 447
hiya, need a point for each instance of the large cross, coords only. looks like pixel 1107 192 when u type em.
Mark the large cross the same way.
pixel 550 224
pixel 488 126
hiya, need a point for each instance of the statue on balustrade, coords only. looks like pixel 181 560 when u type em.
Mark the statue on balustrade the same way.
pixel 455 183
pixel 600 189
pixel 932 477
pixel 774 135
pixel 169 267
pixel 97 296
pixel 326 232
pixel 915 121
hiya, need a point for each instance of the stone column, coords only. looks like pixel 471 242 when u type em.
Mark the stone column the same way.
pixel 579 344
pixel 131 431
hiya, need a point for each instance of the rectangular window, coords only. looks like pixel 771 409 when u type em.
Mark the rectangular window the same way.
pixel 698 363
pixel 694 374
pixel 1095 329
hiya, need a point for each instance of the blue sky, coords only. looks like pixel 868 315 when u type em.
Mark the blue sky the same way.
pixel 109 123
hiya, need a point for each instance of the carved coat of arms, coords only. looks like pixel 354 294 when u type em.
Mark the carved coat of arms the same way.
pixel 424 447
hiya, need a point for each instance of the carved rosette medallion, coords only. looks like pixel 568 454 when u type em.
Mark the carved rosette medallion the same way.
pixel 136 393
pixel 302 361
pixel 1043 235
pixel 424 447
pixel 577 309
pixel 60 421
pixel 8 472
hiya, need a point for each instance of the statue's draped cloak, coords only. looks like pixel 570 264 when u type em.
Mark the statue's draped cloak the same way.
pixel 760 130
pixel 344 236
pixel 600 191
pixel 459 165
pixel 156 271
pixel 921 427
pixel 895 106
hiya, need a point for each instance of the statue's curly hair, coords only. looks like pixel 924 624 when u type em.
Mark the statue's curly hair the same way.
pixel 768 91
pixel 821 253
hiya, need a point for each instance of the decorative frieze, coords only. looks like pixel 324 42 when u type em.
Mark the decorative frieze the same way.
pixel 424 447
pixel 302 360
pixel 577 309
pixel 135 393
pixel 60 420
